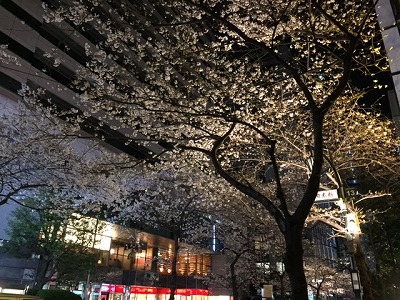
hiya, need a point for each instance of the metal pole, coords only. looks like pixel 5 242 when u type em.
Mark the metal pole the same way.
pixel 342 195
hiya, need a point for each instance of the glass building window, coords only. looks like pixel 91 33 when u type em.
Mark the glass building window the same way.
pixel 188 264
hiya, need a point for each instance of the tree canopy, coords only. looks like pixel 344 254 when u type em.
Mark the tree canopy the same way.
pixel 242 88
pixel 63 243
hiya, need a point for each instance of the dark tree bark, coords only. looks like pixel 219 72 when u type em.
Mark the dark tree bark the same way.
pixel 365 278
pixel 234 280
pixel 235 290
pixel 294 261
pixel 40 277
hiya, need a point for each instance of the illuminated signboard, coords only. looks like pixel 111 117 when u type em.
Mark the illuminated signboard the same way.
pixel 119 289
pixel 143 290
pixel 327 195
pixel 154 291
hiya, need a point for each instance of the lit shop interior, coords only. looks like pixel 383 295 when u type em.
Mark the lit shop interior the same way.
pixel 135 265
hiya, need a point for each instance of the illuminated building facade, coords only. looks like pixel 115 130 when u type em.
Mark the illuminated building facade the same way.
pixel 388 12
pixel 126 257
pixel 145 260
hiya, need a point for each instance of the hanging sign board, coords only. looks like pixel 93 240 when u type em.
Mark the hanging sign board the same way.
pixel 327 195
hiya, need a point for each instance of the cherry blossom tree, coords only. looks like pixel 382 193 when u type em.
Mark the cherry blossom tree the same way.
pixel 323 273
pixel 355 162
pixel 39 150
pixel 322 276
pixel 245 236
pixel 171 199
pixel 247 87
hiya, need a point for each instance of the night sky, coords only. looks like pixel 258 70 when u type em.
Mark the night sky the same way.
pixel 375 95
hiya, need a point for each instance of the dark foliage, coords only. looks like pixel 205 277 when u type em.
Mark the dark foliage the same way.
pixel 57 295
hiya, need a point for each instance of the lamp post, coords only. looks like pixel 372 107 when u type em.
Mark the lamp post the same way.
pixel 351 222
pixel 352 231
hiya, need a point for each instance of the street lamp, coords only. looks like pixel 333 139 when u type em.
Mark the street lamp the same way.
pixel 352 226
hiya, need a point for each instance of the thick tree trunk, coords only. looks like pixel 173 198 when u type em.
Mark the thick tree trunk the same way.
pixel 294 262
pixel 234 279
pixel 365 278
pixel 40 277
